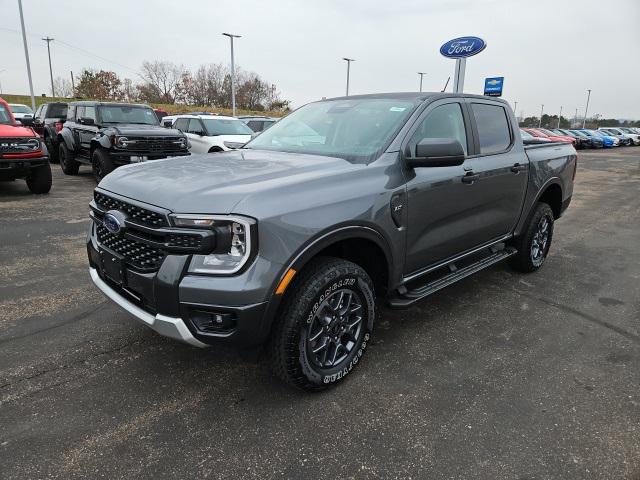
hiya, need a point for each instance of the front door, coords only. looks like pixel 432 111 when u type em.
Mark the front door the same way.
pixel 442 208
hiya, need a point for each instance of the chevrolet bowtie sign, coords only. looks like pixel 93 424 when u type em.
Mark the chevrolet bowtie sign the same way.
pixel 493 86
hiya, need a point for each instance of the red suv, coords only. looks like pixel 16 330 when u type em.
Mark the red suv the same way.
pixel 543 133
pixel 22 154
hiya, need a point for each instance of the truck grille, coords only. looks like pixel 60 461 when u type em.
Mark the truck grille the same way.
pixel 138 214
pixel 137 254
pixel 155 144
pixel 19 145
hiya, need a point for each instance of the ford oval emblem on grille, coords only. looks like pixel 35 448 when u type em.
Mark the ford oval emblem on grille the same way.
pixel 114 221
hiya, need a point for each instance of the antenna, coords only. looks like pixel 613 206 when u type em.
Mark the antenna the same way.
pixel 446 84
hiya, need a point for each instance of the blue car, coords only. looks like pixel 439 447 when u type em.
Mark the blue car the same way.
pixel 607 141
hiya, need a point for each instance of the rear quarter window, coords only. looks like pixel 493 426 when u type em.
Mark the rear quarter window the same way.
pixel 492 123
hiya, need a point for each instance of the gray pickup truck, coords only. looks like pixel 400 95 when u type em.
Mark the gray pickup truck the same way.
pixel 294 239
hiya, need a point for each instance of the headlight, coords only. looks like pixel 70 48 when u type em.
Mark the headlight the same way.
pixel 124 142
pixel 233 243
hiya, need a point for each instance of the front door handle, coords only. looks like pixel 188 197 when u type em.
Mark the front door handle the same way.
pixel 470 177
pixel 517 168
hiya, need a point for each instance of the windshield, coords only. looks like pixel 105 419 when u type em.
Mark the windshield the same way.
pixel 5 117
pixel 580 134
pixel 225 126
pixel 548 132
pixel 20 109
pixel 127 114
pixel 356 130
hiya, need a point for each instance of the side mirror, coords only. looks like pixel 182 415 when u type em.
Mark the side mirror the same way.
pixel 437 152
pixel 87 121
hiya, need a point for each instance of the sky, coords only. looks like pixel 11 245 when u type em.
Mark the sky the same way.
pixel 549 51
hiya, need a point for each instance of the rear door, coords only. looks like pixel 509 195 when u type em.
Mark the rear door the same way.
pixel 197 136
pixel 502 167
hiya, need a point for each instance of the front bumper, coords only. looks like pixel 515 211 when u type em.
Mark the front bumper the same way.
pixel 124 157
pixel 12 168
pixel 168 326
pixel 174 302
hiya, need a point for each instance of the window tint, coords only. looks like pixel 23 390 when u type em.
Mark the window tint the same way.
pixel 181 124
pixel 195 127
pixel 493 127
pixel 255 125
pixel 57 111
pixel 445 121
pixel 90 112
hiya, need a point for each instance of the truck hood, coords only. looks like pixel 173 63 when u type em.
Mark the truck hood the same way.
pixel 143 130
pixel 216 183
pixel 15 131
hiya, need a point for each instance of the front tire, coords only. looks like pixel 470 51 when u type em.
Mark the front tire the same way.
pixel 39 180
pixel 68 162
pixel 534 243
pixel 325 324
pixel 102 164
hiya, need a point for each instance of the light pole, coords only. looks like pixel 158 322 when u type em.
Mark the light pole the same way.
pixel 233 73
pixel 541 111
pixel 575 118
pixel 3 70
pixel 49 40
pixel 26 56
pixel 348 60
pixel 422 74
pixel 586 109
pixel 559 116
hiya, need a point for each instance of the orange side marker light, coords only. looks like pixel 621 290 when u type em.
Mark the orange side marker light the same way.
pixel 284 283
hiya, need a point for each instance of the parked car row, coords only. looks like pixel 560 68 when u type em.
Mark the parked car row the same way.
pixel 604 137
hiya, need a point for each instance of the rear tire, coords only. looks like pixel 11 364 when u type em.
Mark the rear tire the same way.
pixel 534 243
pixel 324 325
pixel 68 162
pixel 102 164
pixel 39 180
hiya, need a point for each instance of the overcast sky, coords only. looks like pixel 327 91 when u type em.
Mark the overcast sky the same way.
pixel 549 51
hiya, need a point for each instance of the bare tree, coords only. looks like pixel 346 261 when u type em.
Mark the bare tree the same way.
pixel 162 79
pixel 63 88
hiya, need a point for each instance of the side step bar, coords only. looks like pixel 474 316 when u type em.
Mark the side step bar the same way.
pixel 404 299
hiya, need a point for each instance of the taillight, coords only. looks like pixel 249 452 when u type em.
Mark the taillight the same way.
pixel 58 126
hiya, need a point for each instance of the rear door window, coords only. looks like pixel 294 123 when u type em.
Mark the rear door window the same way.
pixel 493 127
pixel 195 127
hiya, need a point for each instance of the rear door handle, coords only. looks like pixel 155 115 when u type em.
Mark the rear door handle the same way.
pixel 517 168
pixel 470 177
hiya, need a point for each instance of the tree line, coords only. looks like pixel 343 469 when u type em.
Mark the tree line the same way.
pixel 168 83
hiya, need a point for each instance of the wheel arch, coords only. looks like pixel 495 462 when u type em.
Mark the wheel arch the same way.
pixel 551 194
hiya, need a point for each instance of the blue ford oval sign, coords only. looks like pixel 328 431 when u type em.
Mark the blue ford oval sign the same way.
pixel 462 47
pixel 113 221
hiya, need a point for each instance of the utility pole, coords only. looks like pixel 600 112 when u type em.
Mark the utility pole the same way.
pixel 348 60
pixel 586 109
pixel 233 73
pixel 575 118
pixel 73 85
pixel 541 111
pixel 26 56
pixel 49 40
pixel 422 74
pixel 559 116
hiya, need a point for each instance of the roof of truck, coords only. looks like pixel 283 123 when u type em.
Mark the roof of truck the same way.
pixel 416 96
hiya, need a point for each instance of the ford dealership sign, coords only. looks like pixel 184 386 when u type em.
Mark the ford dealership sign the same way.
pixel 462 47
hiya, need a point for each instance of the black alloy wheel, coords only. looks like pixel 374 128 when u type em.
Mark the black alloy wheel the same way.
pixel 335 329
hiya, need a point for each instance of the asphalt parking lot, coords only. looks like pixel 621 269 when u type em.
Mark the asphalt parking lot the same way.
pixel 499 376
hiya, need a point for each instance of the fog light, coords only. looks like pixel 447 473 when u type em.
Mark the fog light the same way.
pixel 213 322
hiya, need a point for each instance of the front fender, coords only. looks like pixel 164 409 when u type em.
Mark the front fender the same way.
pixel 66 136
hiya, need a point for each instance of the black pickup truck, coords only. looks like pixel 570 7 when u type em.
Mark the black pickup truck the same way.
pixel 108 135
pixel 47 122
pixel 290 239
